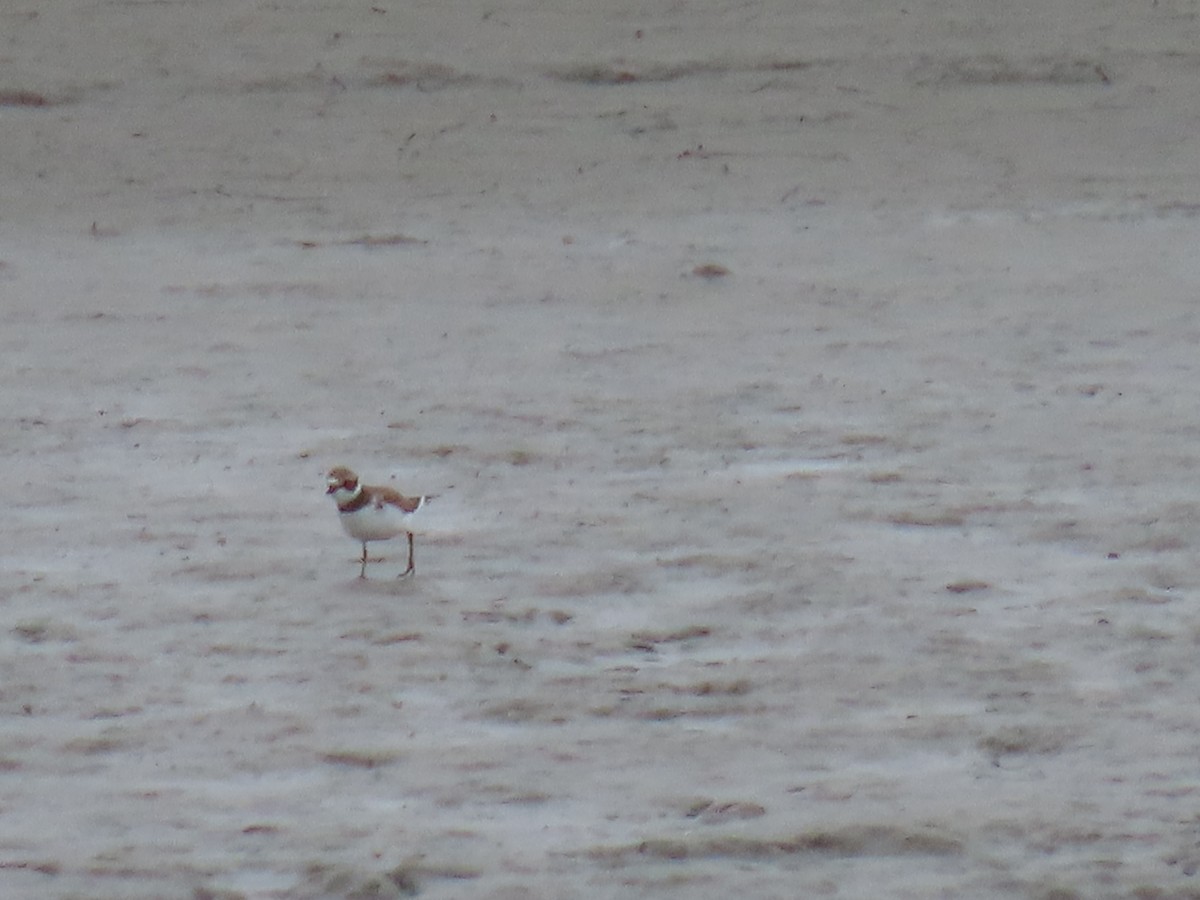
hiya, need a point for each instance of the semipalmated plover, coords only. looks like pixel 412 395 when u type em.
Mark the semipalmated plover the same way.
pixel 371 513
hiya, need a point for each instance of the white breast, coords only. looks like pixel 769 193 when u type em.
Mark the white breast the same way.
pixel 373 523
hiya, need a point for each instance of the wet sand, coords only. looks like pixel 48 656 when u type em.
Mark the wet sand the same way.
pixel 810 397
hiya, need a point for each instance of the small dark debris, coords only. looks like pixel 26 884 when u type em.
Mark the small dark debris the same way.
pixel 966 587
pixel 31 99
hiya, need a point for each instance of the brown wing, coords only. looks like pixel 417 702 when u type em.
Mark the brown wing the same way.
pixel 387 495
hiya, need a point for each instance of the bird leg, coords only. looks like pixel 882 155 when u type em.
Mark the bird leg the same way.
pixel 363 572
pixel 411 568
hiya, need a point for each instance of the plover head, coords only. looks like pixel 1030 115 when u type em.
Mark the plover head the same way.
pixel 342 480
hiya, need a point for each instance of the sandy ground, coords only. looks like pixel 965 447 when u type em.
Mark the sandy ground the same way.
pixel 810 390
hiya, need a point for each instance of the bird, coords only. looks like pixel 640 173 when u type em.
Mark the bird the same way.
pixel 370 513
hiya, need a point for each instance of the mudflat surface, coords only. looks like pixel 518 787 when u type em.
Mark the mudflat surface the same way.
pixel 810 394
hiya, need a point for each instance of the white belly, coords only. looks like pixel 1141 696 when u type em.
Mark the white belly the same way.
pixel 375 524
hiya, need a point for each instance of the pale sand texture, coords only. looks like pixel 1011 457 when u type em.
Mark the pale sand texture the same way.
pixel 865 569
